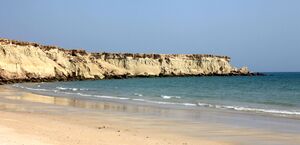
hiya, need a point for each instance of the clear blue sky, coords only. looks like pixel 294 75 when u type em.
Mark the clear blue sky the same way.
pixel 261 34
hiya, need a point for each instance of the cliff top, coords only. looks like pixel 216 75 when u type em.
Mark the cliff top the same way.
pixel 119 55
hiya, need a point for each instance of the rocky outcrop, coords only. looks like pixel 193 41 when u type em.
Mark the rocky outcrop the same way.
pixel 26 61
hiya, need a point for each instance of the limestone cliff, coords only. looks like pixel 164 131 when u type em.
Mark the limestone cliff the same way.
pixel 26 61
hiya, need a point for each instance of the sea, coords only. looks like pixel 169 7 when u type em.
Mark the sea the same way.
pixel 273 94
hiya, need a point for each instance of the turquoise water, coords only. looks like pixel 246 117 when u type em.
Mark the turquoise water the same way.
pixel 276 93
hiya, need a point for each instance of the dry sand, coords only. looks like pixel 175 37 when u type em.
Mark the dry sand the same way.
pixel 38 129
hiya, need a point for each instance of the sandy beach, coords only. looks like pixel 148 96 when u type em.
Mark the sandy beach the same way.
pixel 39 129
pixel 22 123
pixel 30 119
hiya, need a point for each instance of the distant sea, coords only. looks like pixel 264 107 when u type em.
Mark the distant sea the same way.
pixel 275 93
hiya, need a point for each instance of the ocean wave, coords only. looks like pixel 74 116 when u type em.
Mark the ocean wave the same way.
pixel 169 97
pixel 189 104
pixel 28 88
pixel 164 103
pixel 72 89
pixel 110 97
pixel 69 93
pixel 85 95
pixel 263 110
pixel 96 96
pixel 34 89
pixel 138 99
pixel 138 94
pixel 249 109
pixel 205 105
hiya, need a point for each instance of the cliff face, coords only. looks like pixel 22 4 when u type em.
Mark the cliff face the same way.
pixel 24 61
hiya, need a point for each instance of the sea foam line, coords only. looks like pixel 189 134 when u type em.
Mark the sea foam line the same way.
pixel 249 109
pixel 169 97
pixel 73 89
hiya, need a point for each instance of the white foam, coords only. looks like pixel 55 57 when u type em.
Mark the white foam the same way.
pixel 161 102
pixel 169 97
pixel 274 111
pixel 69 93
pixel 189 104
pixel 72 89
pixel 86 95
pixel 155 102
pixel 61 88
pixel 240 108
pixel 138 99
pixel 164 103
pixel 138 94
pixel 110 97
pixel 107 97
pixel 28 88
pixel 203 104
pixel 33 89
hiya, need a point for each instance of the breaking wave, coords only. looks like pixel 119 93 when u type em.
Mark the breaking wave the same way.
pixel 169 97
pixel 138 94
pixel 72 89
pixel 250 109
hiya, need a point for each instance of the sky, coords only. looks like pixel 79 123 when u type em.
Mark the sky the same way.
pixel 261 34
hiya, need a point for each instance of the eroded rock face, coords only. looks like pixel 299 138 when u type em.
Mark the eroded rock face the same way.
pixel 26 61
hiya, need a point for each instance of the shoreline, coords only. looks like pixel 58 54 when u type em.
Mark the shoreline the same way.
pixel 63 79
pixel 132 127
pixel 163 104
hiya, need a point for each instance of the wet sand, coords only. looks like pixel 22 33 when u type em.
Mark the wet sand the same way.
pixel 31 119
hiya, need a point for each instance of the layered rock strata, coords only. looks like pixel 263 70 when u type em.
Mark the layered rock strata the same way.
pixel 32 62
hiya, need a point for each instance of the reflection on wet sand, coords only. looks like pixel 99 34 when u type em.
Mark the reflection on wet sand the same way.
pixel 97 105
